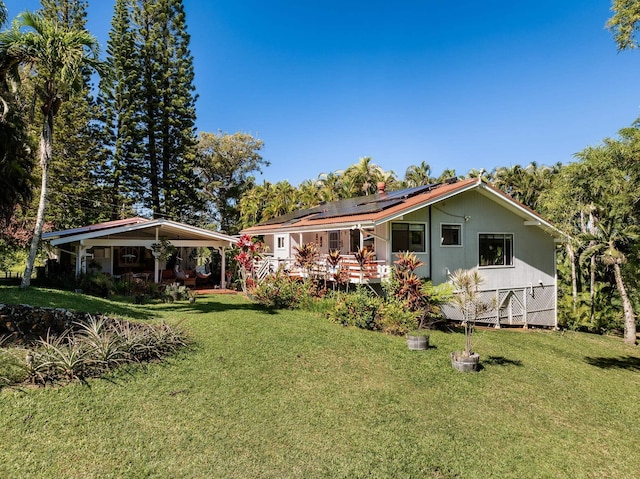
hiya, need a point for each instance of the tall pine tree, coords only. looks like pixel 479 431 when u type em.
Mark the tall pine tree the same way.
pixel 151 108
pixel 122 171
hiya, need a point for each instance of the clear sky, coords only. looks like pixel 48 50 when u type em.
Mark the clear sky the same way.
pixel 459 84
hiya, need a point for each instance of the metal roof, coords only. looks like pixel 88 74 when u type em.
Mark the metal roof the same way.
pixel 380 208
pixel 138 228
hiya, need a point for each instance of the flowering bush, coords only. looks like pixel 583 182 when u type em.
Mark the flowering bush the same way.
pixel 249 250
pixel 278 291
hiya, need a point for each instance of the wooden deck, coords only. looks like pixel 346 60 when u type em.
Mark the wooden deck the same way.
pixel 373 272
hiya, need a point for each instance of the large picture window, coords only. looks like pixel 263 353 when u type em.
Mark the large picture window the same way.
pixel 407 237
pixel 495 249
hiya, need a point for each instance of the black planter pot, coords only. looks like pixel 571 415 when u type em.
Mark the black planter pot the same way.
pixel 465 364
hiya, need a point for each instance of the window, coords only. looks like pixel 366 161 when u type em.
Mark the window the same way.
pixel 407 237
pixel 280 242
pixel 450 235
pixel 334 240
pixel 495 249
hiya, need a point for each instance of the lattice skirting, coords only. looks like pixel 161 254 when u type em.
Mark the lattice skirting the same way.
pixel 529 306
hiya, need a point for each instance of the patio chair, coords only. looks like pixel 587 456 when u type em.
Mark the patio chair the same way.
pixel 185 278
pixel 201 274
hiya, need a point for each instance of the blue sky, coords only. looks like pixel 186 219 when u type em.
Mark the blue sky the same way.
pixel 460 85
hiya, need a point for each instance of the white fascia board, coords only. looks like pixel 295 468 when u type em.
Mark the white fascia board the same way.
pixel 103 232
pixel 149 243
pixel 212 236
pixel 195 229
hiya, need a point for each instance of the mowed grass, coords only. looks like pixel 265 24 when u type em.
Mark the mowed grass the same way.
pixel 289 394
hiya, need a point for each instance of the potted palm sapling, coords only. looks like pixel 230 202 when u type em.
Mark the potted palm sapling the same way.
pixel 468 298
pixel 418 296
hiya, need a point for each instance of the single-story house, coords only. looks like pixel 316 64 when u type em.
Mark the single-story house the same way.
pixel 130 246
pixel 458 224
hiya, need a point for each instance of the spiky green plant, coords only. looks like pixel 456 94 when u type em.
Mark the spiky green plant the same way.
pixel 66 357
pixel 469 299
pixel 105 348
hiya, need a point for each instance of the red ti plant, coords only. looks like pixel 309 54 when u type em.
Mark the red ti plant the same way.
pixel 307 256
pixel 249 250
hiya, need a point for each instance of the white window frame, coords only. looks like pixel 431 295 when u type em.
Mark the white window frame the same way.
pixel 338 240
pixel 513 240
pixel 459 245
pixel 284 242
pixel 424 233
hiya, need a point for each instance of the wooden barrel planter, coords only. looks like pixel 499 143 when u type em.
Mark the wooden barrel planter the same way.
pixel 465 364
pixel 417 342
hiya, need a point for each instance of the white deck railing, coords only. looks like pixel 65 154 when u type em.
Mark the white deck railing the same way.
pixel 372 272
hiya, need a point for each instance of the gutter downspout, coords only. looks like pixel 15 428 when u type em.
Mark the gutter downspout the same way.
pixel 430 251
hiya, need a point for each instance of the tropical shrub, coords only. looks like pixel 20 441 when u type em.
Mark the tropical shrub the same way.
pixel 96 284
pixel 395 318
pixel 175 292
pixel 278 291
pixel 358 308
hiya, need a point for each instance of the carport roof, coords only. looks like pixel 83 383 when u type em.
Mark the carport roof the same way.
pixel 137 228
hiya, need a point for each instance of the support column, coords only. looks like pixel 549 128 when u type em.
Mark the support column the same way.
pixel 81 250
pixel 223 268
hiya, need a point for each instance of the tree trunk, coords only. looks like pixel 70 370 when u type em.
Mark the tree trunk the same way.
pixel 574 276
pixel 593 230
pixel 627 307
pixel 46 145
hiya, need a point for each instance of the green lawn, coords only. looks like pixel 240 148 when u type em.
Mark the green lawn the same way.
pixel 291 395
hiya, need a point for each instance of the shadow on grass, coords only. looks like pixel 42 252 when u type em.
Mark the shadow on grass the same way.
pixel 209 306
pixel 501 361
pixel 54 298
pixel 630 363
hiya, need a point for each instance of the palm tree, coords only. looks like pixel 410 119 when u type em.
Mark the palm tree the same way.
pixel 282 200
pixel 330 185
pixel 446 175
pixel 525 184
pixel 56 59
pixel 308 194
pixel 608 246
pixel 364 175
pixel 252 204
pixel 418 175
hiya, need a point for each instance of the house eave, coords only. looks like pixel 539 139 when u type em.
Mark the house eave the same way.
pixel 205 235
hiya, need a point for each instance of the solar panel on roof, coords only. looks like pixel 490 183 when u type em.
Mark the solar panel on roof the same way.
pixel 352 206
pixel 409 192
pixel 359 209
pixel 291 217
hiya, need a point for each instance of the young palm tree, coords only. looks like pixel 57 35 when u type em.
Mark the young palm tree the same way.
pixel 608 246
pixel 55 59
